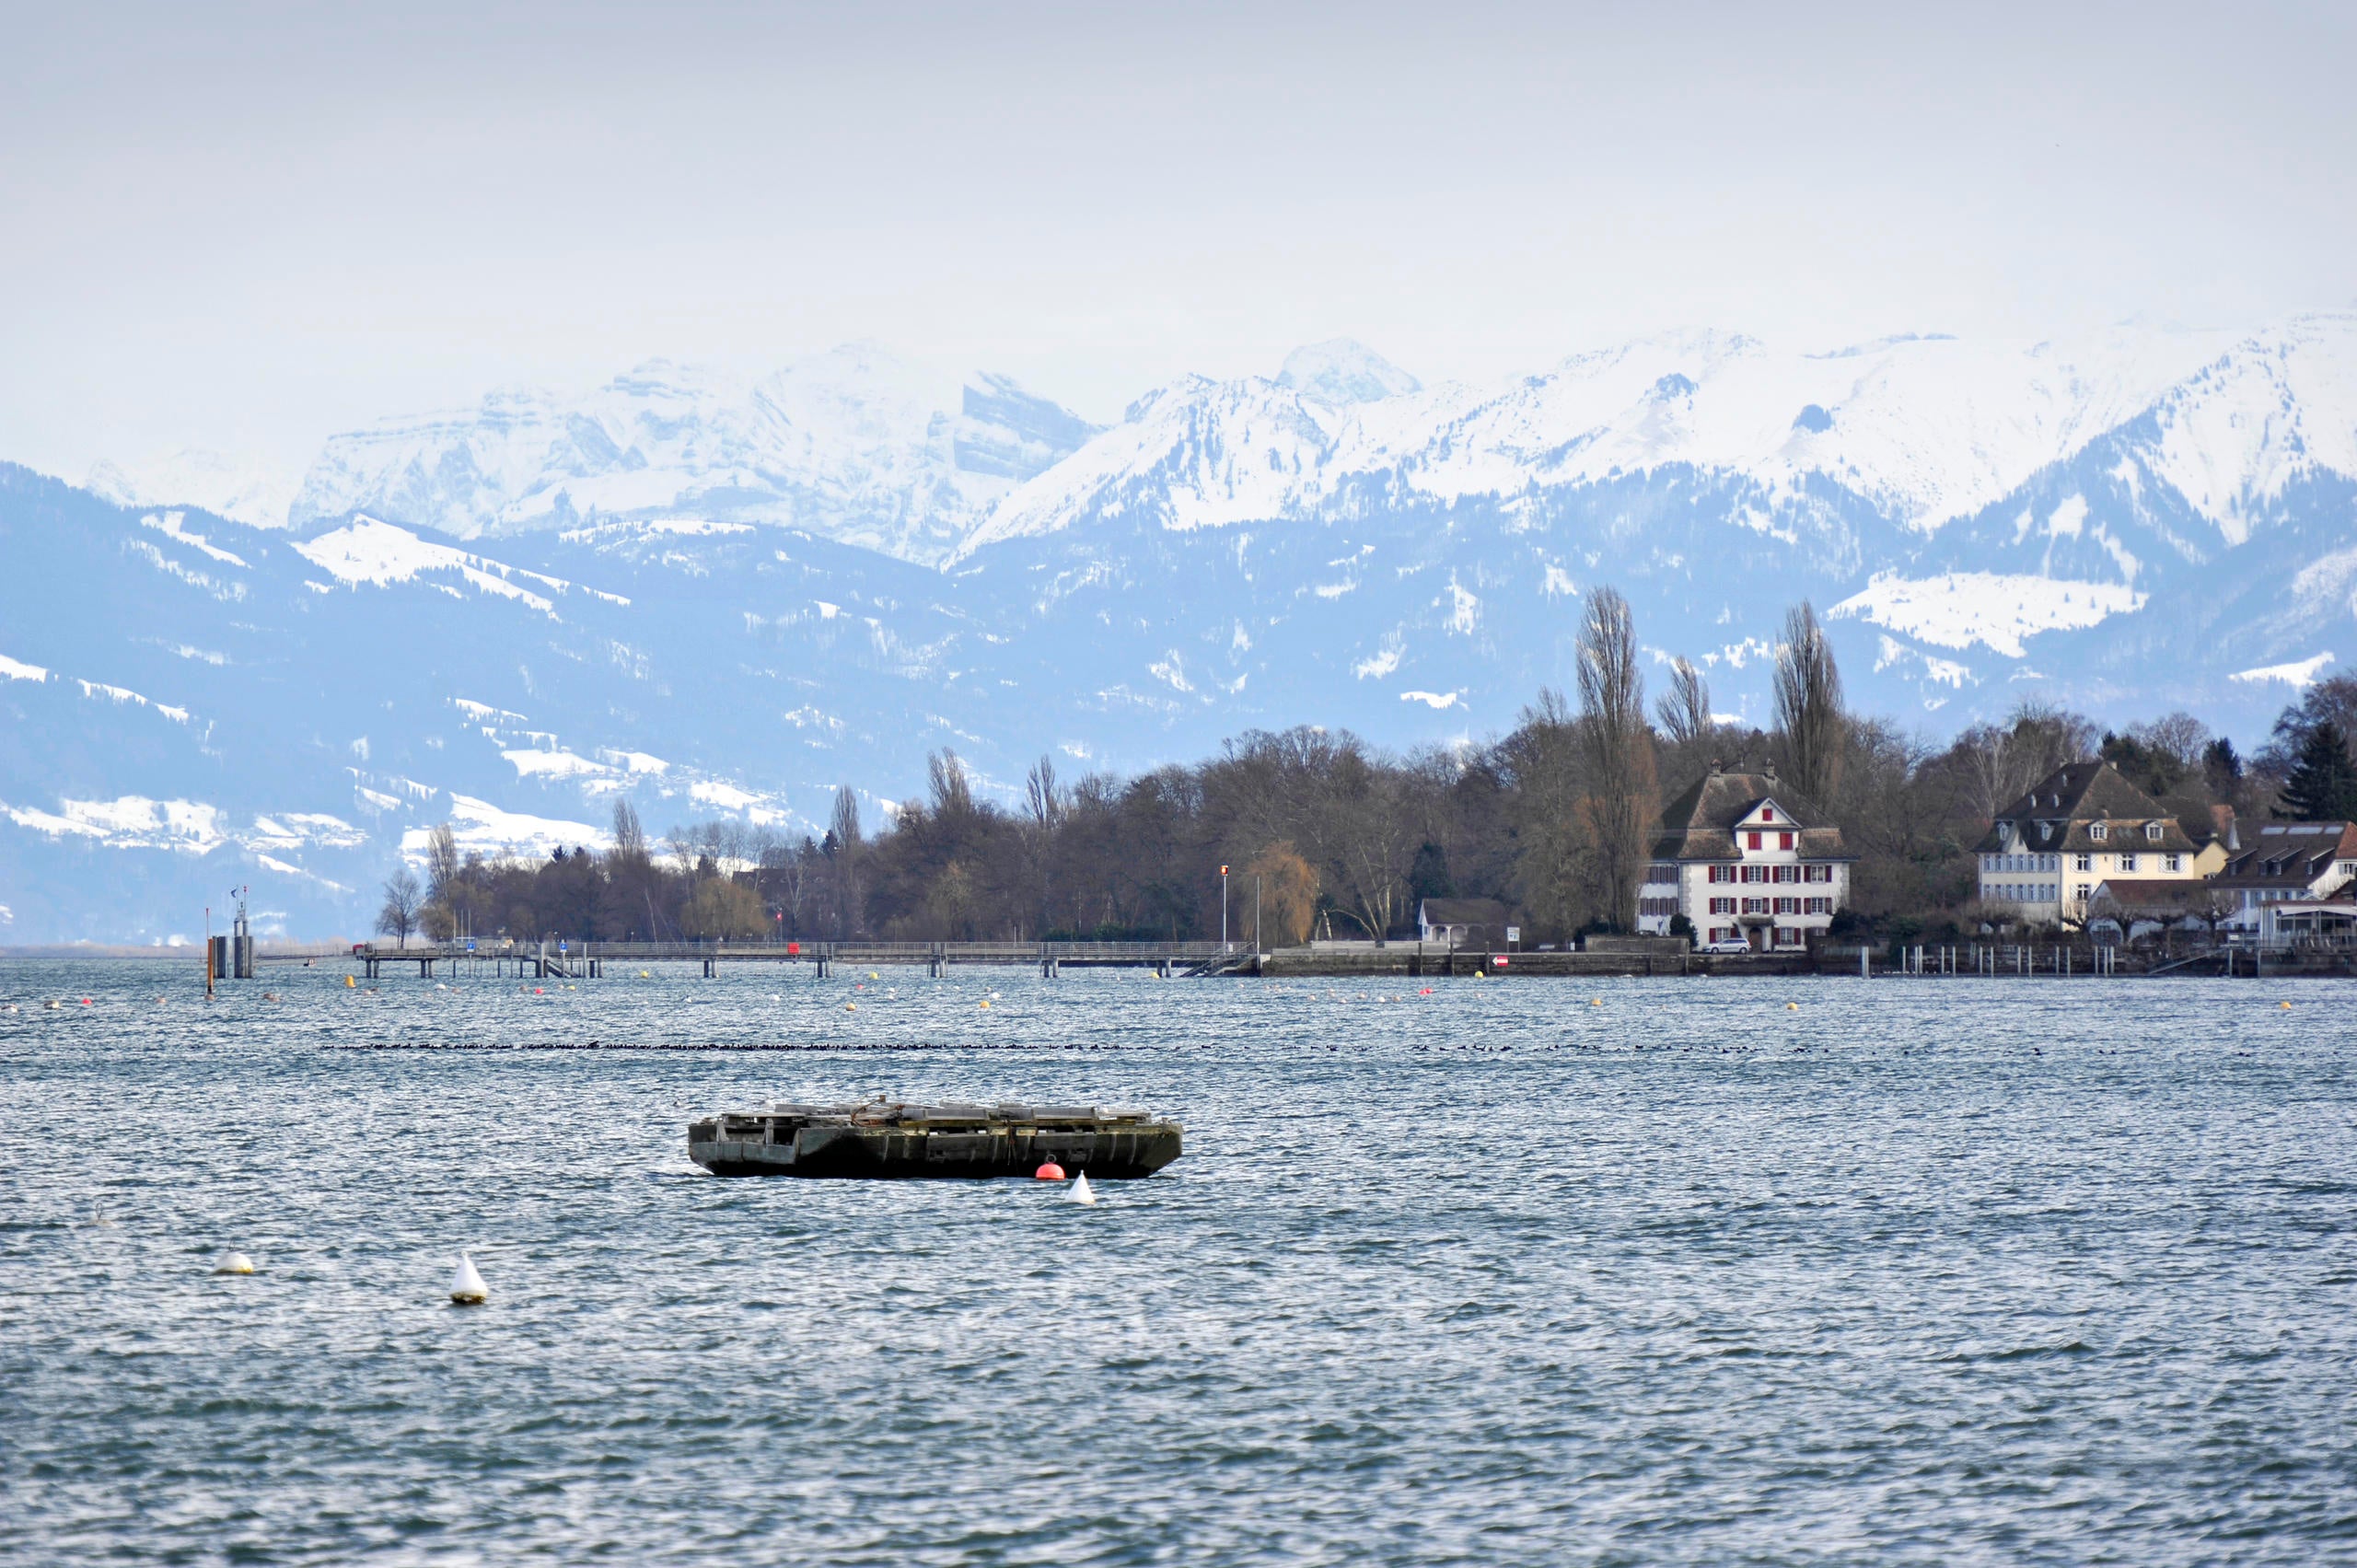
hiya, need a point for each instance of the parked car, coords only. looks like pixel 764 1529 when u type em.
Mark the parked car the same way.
pixel 1727 945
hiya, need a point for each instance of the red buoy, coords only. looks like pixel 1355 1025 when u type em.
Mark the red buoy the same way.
pixel 1051 1171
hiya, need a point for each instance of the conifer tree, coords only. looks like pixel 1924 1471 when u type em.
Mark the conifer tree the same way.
pixel 2323 785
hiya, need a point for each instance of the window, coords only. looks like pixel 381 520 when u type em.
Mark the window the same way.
pixel 2128 862
pixel 1721 906
pixel 1820 906
pixel 2153 831
pixel 2174 862
pixel 1751 840
pixel 1790 937
pixel 1816 873
pixel 1767 813
pixel 1787 906
pixel 2096 832
pixel 2086 862
pixel 1755 874
pixel 1755 906
pixel 1783 841
pixel 1786 873
pixel 1659 874
pixel 1659 909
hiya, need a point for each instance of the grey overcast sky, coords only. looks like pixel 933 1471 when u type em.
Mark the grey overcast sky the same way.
pixel 247 226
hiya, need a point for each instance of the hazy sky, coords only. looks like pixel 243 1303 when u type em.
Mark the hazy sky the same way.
pixel 247 226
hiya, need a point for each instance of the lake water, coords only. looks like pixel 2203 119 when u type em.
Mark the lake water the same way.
pixel 1917 1272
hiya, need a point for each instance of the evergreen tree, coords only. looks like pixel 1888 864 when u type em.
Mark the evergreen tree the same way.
pixel 2323 785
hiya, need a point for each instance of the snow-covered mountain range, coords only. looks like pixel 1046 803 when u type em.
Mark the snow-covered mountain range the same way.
pixel 720 595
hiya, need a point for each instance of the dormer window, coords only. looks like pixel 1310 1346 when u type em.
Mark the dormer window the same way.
pixel 2153 831
pixel 2096 832
pixel 1767 813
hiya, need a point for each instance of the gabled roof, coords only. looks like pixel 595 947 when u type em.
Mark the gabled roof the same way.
pixel 2053 818
pixel 1461 912
pixel 1701 823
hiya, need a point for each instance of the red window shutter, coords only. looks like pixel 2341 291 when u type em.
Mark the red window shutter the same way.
pixel 1783 841
pixel 1752 841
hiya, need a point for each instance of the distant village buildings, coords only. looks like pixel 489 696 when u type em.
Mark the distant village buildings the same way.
pixel 1745 860
pixel 2088 847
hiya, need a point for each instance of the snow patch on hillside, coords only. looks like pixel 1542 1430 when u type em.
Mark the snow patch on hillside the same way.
pixel 2298 674
pixel 132 821
pixel 380 554
pixel 478 825
pixel 18 669
pixel 172 525
pixel 1956 610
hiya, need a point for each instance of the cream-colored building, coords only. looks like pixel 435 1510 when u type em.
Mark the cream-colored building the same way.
pixel 2085 825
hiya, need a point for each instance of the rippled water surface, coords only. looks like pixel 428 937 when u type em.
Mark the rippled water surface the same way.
pixel 1914 1272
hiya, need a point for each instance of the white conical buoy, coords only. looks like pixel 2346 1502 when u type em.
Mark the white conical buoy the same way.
pixel 235 1263
pixel 467 1288
pixel 1081 1192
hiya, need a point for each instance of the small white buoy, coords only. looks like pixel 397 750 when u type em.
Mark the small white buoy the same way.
pixel 1081 1192
pixel 235 1263
pixel 467 1288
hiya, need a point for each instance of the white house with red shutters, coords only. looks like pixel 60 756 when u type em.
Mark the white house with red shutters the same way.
pixel 1745 859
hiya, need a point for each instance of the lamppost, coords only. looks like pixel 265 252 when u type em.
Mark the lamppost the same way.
pixel 1223 909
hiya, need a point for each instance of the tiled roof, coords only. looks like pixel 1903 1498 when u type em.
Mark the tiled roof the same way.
pixel 1700 824
pixel 2282 854
pixel 2152 892
pixel 2054 818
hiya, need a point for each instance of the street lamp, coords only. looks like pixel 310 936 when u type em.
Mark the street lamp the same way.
pixel 1223 909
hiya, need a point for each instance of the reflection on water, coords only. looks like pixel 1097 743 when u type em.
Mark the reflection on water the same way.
pixel 1920 1272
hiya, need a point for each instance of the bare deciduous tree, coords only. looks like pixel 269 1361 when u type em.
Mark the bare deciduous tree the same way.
pixel 1809 721
pixel 1685 709
pixel 1620 750
pixel 844 850
pixel 397 916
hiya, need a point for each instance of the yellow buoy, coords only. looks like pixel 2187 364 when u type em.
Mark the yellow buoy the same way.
pixel 349 983
pixel 1792 1006
pixel 986 1004
pixel 872 975
pixel 2283 1004
pixel 235 1263
pixel 851 1006
pixel 1595 1001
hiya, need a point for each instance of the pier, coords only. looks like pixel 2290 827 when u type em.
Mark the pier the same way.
pixel 596 960
pixel 570 961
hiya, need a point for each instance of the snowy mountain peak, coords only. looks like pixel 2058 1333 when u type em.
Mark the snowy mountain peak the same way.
pixel 1344 371
pixel 244 490
pixel 856 445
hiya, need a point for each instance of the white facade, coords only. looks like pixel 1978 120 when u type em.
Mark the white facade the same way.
pixel 1767 891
